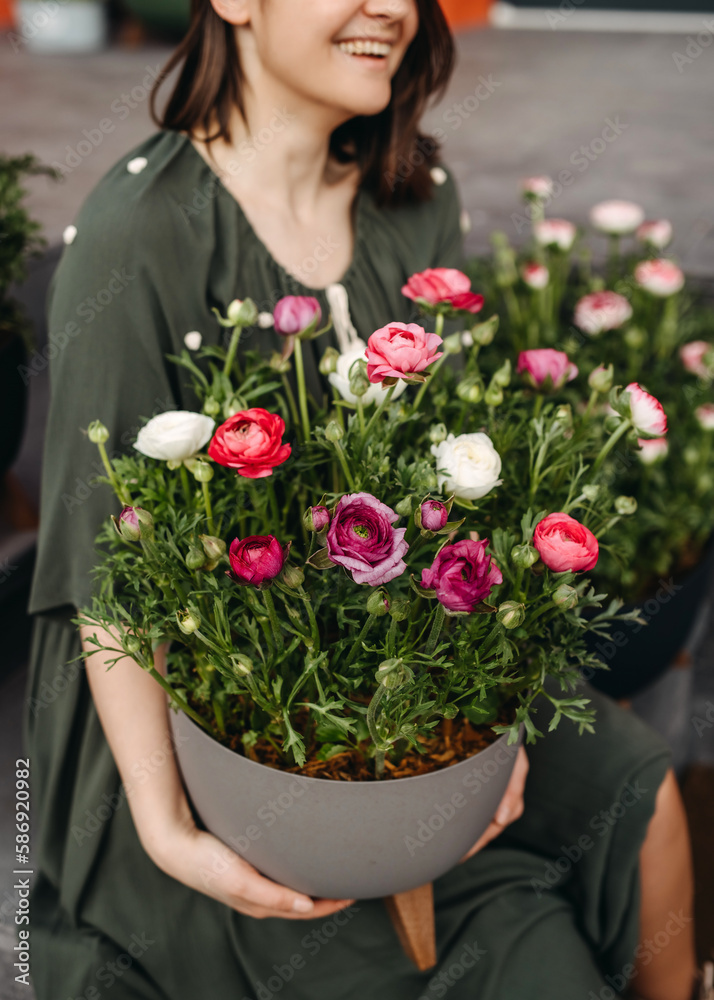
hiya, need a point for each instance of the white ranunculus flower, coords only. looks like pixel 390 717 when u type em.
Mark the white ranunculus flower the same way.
pixel 175 435
pixel 341 377
pixel 467 466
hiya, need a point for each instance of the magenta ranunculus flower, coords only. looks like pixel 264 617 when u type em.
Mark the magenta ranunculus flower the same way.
pixel 659 277
pixel 316 518
pixel 361 537
pixel 646 412
pixel 400 350
pixel 545 368
pixel 565 544
pixel 295 313
pixel 443 286
pixel 600 311
pixel 256 560
pixel 462 575
pixel 433 515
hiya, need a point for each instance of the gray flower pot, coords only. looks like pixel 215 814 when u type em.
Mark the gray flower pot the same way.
pixel 338 839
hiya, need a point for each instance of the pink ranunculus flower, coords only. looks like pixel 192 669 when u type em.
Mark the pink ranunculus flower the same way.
pixel 646 412
pixel 545 368
pixel 652 449
pixel 535 275
pixel 705 416
pixel 655 233
pixel 554 232
pixel 462 575
pixel 256 560
pixel 400 350
pixel 616 218
pixel 565 544
pixel 361 537
pixel 295 313
pixel 443 286
pixel 433 515
pixel 659 277
pixel 600 311
pixel 693 356
pixel 538 187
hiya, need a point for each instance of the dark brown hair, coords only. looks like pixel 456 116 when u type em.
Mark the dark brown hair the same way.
pixel 393 155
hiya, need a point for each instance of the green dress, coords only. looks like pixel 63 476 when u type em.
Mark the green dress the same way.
pixel 549 910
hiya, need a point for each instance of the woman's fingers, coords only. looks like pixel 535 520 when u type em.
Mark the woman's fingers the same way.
pixel 510 807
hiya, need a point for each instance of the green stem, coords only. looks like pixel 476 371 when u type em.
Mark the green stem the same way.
pixel 178 700
pixel 290 396
pixel 591 402
pixel 232 348
pixel 379 753
pixel 386 396
pixel 609 445
pixel 273 500
pixel 423 387
pixel 357 645
pixel 207 504
pixel 313 621
pixel 185 484
pixel 345 467
pixel 436 628
pixel 119 488
pixel 272 615
pixel 302 391
pixel 360 415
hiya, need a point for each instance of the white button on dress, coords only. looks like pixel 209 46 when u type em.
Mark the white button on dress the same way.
pixel 69 234
pixel 438 175
pixel 136 165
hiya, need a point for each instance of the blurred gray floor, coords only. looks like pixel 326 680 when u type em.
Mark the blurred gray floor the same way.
pixel 520 103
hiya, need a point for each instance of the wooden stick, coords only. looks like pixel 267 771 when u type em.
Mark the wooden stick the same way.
pixel 412 914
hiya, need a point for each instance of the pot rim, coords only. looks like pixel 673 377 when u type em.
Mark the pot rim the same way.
pixel 345 784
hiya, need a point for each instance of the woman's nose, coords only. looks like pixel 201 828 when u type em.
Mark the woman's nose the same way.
pixel 389 10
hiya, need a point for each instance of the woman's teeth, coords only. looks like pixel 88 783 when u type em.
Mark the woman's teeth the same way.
pixel 365 48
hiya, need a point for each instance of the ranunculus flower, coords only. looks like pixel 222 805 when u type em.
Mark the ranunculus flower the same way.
pixel 565 544
pixel 134 523
pixel 400 350
pixel 694 356
pixel 251 442
pixel 646 412
pixel 462 575
pixel 600 311
pixel 659 277
pixel 316 518
pixel 616 218
pixel 554 232
pixel 340 378
pixel 705 416
pixel 433 514
pixel 295 313
pixel 467 466
pixel 443 286
pixel 256 560
pixel 652 449
pixel 174 435
pixel 546 368
pixel 538 187
pixel 361 537
pixel 656 233
pixel 535 275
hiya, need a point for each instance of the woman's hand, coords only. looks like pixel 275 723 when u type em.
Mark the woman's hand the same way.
pixel 511 805
pixel 202 862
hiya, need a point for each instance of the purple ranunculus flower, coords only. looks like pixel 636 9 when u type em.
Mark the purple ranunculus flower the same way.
pixel 361 538
pixel 317 518
pixel 295 313
pixel 434 515
pixel 463 575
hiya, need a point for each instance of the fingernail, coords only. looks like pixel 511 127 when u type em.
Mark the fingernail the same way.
pixel 303 905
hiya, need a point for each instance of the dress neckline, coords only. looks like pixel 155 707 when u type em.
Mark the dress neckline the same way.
pixel 359 207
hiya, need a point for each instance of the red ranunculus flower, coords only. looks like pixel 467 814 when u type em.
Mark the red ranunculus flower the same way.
pixel 565 544
pixel 463 575
pixel 256 560
pixel 443 286
pixel 251 442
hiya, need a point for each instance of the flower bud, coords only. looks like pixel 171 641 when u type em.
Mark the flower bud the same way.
pixel 564 414
pixel 524 555
pixel 467 338
pixel 691 454
pixel 405 506
pixel 97 432
pixel 625 505
pixel 328 361
pixel 483 333
pixel 378 603
pixel 195 558
pixel 241 664
pixel 359 383
pixel 591 492
pixel 601 379
pixel 469 390
pixel 399 609
pixel 438 433
pixel 392 673
pixel 432 515
pixel 502 377
pixel 511 614
pixel 188 622
pixel 131 643
pixel 243 313
pixel 316 518
pixel 127 524
pixel 452 344
pixel 565 597
pixel 211 407
pixel 450 711
pixel 279 363
pixel 293 577
pixel 493 395
pixel 212 546
pixel 635 338
pixel 202 472
pixel 333 432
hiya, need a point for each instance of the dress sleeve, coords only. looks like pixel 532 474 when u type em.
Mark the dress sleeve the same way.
pixel 107 341
pixel 449 242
